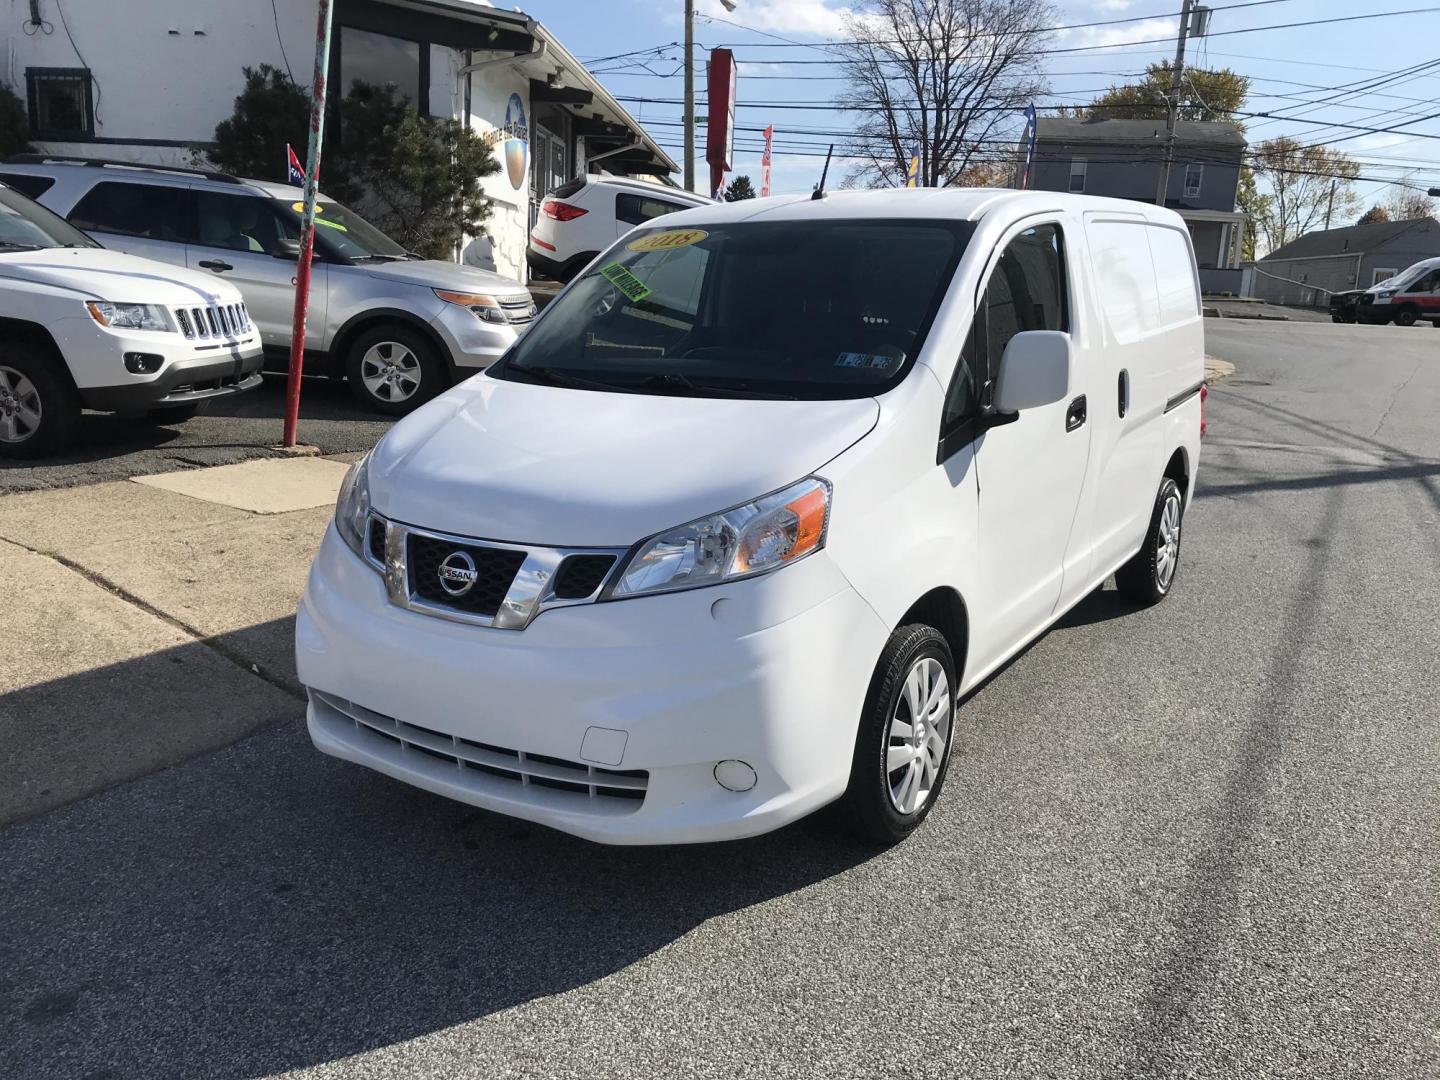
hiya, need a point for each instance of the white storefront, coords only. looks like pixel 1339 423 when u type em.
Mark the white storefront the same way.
pixel 148 82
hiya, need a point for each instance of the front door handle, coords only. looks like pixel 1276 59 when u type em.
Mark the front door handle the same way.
pixel 218 265
pixel 1075 415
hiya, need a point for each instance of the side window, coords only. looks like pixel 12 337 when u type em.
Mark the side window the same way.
pixel 638 209
pixel 962 403
pixel 241 223
pixel 32 187
pixel 145 210
pixel 1026 291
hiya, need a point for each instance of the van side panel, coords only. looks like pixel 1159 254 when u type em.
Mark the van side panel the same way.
pixel 1127 448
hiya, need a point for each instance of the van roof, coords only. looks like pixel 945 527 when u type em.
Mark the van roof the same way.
pixel 965 204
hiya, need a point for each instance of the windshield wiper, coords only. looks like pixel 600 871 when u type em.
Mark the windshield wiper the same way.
pixel 708 389
pixel 559 378
pixel 5 245
pixel 381 258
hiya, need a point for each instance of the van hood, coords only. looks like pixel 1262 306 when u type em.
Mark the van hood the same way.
pixel 102 274
pixel 559 467
pixel 434 274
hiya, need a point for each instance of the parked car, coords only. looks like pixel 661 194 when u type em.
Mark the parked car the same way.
pixel 84 327
pixel 583 217
pixel 399 328
pixel 1411 295
pixel 1343 305
pixel 760 496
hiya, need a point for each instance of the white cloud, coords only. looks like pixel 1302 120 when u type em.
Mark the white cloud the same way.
pixel 1115 5
pixel 1147 30
pixel 815 18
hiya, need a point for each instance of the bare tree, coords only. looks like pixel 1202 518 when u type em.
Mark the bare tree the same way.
pixel 1303 184
pixel 950 78
pixel 1407 204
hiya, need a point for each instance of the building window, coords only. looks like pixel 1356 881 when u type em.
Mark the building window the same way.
pixel 1077 175
pixel 382 60
pixel 1194 173
pixel 61 108
pixel 1383 273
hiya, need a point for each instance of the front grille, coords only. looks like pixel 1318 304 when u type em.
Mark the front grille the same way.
pixel 580 575
pixel 495 569
pixel 213 323
pixel 483 767
pixel 375 539
pixel 518 309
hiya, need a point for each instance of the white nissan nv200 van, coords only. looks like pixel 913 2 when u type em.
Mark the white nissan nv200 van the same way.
pixel 727 535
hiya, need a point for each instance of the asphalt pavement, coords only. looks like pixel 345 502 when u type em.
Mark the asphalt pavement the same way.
pixel 238 428
pixel 1201 840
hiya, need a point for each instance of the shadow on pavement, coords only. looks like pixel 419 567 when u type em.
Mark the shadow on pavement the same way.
pixel 268 908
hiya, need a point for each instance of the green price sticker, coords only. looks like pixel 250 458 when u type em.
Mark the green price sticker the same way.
pixel 625 281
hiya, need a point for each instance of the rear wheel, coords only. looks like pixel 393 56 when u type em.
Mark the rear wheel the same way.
pixel 1148 577
pixel 39 409
pixel 902 750
pixel 394 369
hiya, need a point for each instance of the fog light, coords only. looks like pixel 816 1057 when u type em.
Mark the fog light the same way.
pixel 143 363
pixel 735 775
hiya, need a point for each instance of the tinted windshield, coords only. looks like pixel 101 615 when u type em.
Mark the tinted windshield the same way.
pixel 794 309
pixel 345 233
pixel 25 225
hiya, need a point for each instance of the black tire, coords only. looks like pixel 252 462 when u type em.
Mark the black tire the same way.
pixel 428 372
pixel 869 809
pixel 31 385
pixel 176 414
pixel 1406 316
pixel 1144 579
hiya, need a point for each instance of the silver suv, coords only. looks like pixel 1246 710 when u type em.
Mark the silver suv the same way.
pixel 399 328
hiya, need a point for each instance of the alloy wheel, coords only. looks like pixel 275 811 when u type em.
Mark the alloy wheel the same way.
pixel 390 371
pixel 919 735
pixel 19 406
pixel 1167 554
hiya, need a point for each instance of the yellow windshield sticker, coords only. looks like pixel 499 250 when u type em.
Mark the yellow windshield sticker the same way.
pixel 299 208
pixel 331 225
pixel 667 241
pixel 625 281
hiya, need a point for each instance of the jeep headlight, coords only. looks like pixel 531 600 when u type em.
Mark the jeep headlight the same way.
pixel 746 540
pixel 130 316
pixel 352 508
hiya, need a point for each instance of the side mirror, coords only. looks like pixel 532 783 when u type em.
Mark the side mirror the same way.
pixel 1034 371
pixel 287 249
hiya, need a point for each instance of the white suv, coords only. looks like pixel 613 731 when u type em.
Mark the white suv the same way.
pixel 583 217
pixel 84 327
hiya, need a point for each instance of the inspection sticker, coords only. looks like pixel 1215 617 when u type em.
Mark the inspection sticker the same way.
pixel 667 241
pixel 625 281
pixel 863 360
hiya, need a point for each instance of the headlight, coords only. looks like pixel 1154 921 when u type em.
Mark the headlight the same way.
pixel 480 305
pixel 1385 294
pixel 752 539
pixel 352 508
pixel 130 316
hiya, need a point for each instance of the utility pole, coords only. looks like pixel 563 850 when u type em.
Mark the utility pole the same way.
pixel 1330 203
pixel 1172 103
pixel 690 94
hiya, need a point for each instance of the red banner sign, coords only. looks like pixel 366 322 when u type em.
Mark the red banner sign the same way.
pixel 720 130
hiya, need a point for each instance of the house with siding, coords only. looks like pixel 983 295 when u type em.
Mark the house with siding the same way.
pixel 1307 270
pixel 1123 159
pixel 148 82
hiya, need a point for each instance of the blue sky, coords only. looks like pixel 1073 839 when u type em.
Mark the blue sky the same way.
pixel 1287 65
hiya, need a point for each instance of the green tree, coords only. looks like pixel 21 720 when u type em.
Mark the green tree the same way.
pixel 416 178
pixel 1205 94
pixel 1374 216
pixel 738 189
pixel 14 124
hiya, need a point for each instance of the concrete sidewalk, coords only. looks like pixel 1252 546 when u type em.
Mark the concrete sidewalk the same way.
pixel 149 620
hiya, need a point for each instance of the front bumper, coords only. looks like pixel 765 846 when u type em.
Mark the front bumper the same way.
pixel 473 343
pixel 772 671
pixel 182 382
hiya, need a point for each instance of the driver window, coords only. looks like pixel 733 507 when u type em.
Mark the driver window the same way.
pixel 241 223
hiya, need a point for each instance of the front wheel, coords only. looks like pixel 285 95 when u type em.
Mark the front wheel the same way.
pixel 1406 316
pixel 902 750
pixel 39 409
pixel 1148 577
pixel 394 369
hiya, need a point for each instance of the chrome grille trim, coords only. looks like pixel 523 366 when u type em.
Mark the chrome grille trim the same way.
pixel 482 767
pixel 208 323
pixel 531 592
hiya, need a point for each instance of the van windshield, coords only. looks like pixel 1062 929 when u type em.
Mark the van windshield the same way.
pixel 25 225
pixel 794 309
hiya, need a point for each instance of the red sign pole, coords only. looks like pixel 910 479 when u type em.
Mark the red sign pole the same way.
pixel 765 163
pixel 307 229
